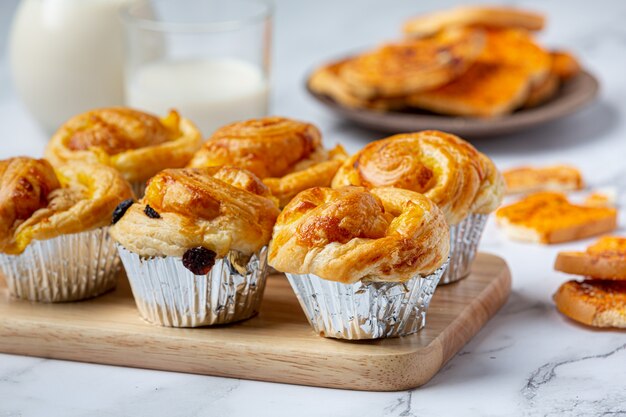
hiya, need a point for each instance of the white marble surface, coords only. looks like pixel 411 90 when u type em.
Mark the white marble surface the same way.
pixel 528 360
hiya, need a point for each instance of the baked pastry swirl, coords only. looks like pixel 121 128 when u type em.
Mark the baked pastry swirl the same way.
pixel 286 154
pixel 135 143
pixel 37 203
pixel 352 234
pixel 445 168
pixel 217 208
pixel 410 66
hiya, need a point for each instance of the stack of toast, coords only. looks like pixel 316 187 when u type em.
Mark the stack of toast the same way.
pixel 467 61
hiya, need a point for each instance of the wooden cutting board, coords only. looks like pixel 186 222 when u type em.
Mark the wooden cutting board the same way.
pixel 278 345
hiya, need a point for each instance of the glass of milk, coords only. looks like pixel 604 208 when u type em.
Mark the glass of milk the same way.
pixel 209 59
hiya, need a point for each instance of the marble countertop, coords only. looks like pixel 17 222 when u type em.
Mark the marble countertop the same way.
pixel 528 360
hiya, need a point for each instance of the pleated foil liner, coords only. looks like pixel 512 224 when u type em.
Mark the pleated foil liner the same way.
pixel 66 268
pixel 464 240
pixel 365 310
pixel 168 294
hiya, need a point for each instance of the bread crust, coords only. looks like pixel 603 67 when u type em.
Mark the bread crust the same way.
pixel 135 143
pixel 492 16
pixel 445 168
pixel 286 154
pixel 219 208
pixel 606 259
pixel 548 217
pixel 37 203
pixel 593 302
pixel 529 179
pixel 351 234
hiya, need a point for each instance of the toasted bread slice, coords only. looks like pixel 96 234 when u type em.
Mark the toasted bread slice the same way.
pixel 549 217
pixel 484 90
pixel 606 259
pixel 409 66
pixel 528 179
pixel 326 80
pixel 517 47
pixel 493 16
pixel 543 91
pixel 565 65
pixel 595 303
pixel 602 197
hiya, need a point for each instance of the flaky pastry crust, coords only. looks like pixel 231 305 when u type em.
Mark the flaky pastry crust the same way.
pixel 445 168
pixel 286 154
pixel 351 234
pixel 135 143
pixel 38 203
pixel 219 208
pixel 410 66
pixel 480 16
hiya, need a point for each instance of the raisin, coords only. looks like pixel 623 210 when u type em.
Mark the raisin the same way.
pixel 121 209
pixel 199 260
pixel 150 212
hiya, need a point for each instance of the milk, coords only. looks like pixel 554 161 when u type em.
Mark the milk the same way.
pixel 210 92
pixel 67 57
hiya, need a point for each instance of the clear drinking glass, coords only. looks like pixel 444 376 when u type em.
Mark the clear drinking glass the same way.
pixel 209 59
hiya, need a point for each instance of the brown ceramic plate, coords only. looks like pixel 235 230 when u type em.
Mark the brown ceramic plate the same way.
pixel 572 96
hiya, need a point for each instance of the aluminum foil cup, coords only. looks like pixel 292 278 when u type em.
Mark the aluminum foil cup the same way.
pixel 464 240
pixel 365 310
pixel 169 294
pixel 65 268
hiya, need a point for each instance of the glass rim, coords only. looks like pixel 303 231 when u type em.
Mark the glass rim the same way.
pixel 127 15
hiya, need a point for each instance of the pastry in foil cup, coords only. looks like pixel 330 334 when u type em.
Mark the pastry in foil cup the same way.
pixel 169 294
pixel 464 240
pixel 65 268
pixel 365 310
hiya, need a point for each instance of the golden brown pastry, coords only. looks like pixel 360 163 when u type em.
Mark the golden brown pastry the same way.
pixel 595 303
pixel 605 259
pixel 218 208
pixel 135 143
pixel 411 66
pixel 548 217
pixel 529 179
pixel 38 203
pixel 482 16
pixel 351 234
pixel 445 168
pixel 327 80
pixel 286 154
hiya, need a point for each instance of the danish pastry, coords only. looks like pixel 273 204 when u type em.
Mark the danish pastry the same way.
pixel 195 247
pixel 528 179
pixel 595 303
pixel 327 80
pixel 135 143
pixel 351 234
pixel 548 217
pixel 54 244
pixel 286 154
pixel 411 66
pixel 218 208
pixel 481 16
pixel 605 259
pixel 37 203
pixel 445 168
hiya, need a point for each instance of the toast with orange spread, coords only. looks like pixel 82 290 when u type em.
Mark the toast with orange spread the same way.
pixel 605 259
pixel 595 303
pixel 548 217
pixel 529 179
